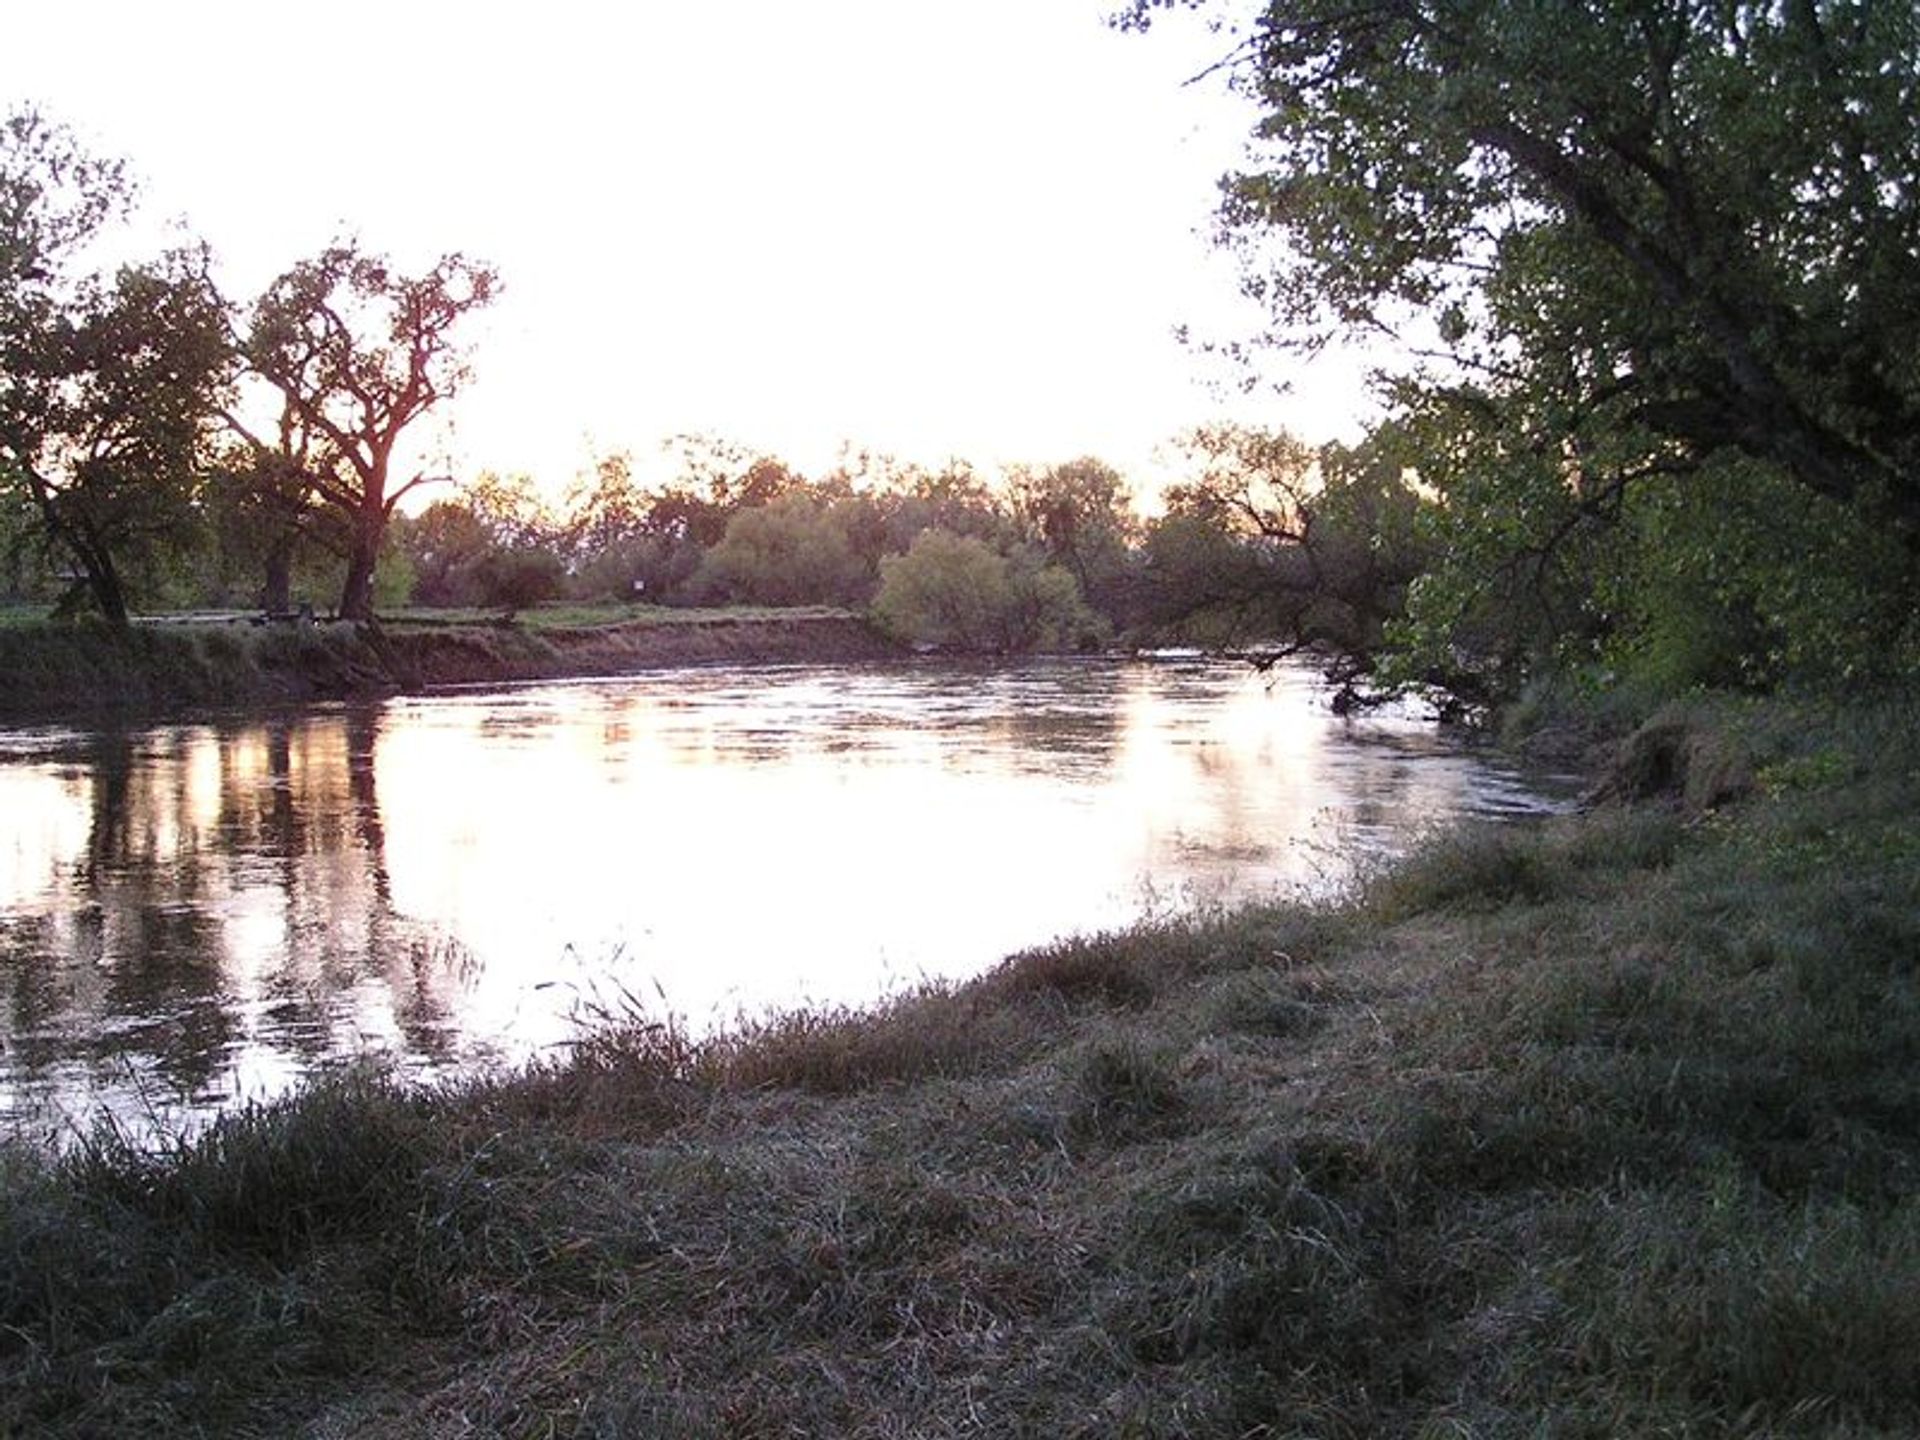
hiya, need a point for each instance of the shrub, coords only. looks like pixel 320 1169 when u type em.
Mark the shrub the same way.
pixel 516 579
pixel 791 551
pixel 959 592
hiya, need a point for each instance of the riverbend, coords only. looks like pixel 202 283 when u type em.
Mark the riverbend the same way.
pixel 193 914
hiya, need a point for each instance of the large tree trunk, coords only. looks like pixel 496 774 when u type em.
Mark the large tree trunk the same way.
pixel 363 555
pixel 356 596
pixel 103 580
pixel 276 587
pixel 109 594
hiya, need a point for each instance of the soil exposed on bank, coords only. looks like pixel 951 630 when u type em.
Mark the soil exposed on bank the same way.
pixel 48 669
pixel 442 655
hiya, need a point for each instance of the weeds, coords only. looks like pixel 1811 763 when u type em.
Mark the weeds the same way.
pixel 1477 869
pixel 913 1038
pixel 65 666
pixel 1125 1089
pixel 1738 1305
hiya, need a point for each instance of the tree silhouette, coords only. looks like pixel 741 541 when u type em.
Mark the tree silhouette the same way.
pixel 359 352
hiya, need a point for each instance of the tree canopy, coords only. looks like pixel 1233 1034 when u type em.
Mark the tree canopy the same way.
pixel 957 591
pixel 1643 250
pixel 108 381
pixel 359 352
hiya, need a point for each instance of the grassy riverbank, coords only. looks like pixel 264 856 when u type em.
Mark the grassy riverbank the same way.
pixel 168 663
pixel 1606 1127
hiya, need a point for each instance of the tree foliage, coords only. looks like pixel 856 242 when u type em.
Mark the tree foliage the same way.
pixel 1080 516
pixel 958 592
pixel 359 352
pixel 108 382
pixel 261 496
pixel 793 550
pixel 1659 250
pixel 1272 541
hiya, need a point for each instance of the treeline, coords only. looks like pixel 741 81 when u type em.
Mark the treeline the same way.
pixel 165 446
pixel 1268 543
pixel 1037 556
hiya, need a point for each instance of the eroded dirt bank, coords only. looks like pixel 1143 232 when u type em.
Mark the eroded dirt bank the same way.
pixel 49 669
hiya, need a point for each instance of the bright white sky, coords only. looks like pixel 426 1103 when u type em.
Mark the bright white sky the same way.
pixel 930 230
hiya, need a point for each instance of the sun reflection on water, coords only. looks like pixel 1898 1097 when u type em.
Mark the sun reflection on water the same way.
pixel 196 914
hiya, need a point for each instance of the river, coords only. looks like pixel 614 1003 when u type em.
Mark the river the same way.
pixel 195 914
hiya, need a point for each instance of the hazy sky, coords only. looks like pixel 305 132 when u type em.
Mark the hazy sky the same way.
pixel 928 229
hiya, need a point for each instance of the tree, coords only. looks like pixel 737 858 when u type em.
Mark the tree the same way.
pixel 717 479
pixel 1647 239
pixel 794 550
pixel 893 502
pixel 1080 516
pixel 518 576
pixel 626 541
pixel 446 542
pixel 958 592
pixel 515 514
pixel 262 498
pixel 606 509
pixel 1273 541
pixel 22 571
pixel 495 543
pixel 107 382
pixel 359 352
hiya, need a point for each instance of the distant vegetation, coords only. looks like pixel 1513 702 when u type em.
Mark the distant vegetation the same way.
pixel 1663 435
pixel 156 436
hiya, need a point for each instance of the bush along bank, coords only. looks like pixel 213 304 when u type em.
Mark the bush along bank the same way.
pixel 1605 1126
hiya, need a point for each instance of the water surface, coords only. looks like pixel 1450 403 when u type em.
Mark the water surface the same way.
pixel 192 914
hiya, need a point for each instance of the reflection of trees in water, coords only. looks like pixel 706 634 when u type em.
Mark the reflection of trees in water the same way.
pixel 1040 738
pixel 151 940
pixel 363 732
pixel 1242 811
pixel 1064 720
pixel 41 996
pixel 1395 787
pixel 1333 790
pixel 392 945
pixel 232 893
pixel 115 964
pixel 222 905
pixel 1028 721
